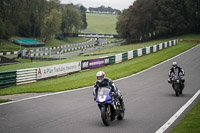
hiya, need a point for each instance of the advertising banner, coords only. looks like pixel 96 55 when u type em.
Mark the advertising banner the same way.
pixel 84 64
pixel 54 70
pixel 95 63
pixel 107 60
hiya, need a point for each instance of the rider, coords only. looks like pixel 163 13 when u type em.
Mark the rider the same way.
pixel 102 81
pixel 176 69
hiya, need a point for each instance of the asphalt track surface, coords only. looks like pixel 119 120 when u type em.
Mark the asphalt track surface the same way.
pixel 149 99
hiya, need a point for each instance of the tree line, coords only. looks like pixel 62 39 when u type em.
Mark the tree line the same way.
pixel 103 9
pixel 151 19
pixel 39 18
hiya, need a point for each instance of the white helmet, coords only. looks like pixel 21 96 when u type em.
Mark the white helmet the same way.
pixel 174 64
pixel 100 76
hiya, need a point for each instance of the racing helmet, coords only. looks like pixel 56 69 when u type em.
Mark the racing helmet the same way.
pixel 174 64
pixel 100 76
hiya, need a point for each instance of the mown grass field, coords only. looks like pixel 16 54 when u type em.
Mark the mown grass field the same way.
pixel 101 23
pixel 98 23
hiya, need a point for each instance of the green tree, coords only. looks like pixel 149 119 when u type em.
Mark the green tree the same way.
pixel 83 16
pixel 171 18
pixel 2 29
pixel 25 17
pixel 52 24
pixel 36 16
pixel 122 26
pixel 136 23
pixel 193 15
pixel 7 10
pixel 147 19
pixel 71 19
pixel 142 14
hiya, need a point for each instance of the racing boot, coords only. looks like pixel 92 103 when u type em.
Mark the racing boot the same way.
pixel 120 97
pixel 182 83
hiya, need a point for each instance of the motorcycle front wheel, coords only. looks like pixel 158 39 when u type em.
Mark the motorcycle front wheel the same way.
pixel 106 115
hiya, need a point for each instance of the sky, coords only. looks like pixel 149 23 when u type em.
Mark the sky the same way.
pixel 116 4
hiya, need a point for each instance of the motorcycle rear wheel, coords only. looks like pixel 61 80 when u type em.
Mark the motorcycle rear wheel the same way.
pixel 177 93
pixel 176 89
pixel 120 115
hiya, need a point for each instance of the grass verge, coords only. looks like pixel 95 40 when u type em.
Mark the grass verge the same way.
pixel 3 100
pixel 190 123
pixel 88 78
pixel 54 42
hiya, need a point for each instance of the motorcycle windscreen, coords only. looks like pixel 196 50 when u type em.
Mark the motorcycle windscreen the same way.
pixel 175 77
pixel 103 93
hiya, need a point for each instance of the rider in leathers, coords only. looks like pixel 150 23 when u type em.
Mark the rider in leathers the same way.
pixel 176 70
pixel 102 81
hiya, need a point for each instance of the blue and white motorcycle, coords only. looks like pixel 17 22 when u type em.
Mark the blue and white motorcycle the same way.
pixel 109 106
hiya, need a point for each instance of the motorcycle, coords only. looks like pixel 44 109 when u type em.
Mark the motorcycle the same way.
pixel 109 106
pixel 177 84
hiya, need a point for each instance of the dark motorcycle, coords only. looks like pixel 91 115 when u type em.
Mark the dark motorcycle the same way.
pixel 177 84
pixel 109 106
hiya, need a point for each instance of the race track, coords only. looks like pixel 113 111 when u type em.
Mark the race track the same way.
pixel 149 99
pixel 79 52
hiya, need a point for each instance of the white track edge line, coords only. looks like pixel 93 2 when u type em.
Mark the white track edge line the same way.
pixel 92 86
pixel 34 97
pixel 177 114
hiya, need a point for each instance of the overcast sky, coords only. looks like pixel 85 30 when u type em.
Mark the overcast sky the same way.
pixel 117 4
